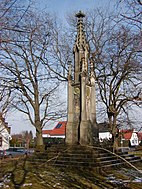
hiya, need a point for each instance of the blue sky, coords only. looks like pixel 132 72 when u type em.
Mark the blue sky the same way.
pixel 62 7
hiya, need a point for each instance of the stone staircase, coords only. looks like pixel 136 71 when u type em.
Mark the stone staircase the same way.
pixel 80 156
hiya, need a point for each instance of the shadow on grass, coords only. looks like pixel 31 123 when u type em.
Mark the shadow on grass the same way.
pixel 85 178
pixel 18 174
pixel 43 176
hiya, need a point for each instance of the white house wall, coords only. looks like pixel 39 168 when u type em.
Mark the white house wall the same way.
pixel 105 135
pixel 57 136
pixel 5 138
pixel 52 136
pixel 45 135
pixel 134 139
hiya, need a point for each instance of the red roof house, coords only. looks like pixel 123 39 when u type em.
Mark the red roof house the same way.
pixel 140 136
pixel 130 135
pixel 127 134
pixel 57 132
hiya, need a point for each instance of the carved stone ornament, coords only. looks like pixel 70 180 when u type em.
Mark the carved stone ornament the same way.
pixel 76 91
pixel 88 91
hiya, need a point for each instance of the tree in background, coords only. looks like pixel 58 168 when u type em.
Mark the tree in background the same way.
pixel 16 140
pixel 23 139
pixel 27 137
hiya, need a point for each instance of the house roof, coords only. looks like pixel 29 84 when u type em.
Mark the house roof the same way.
pixel 127 133
pixel 140 136
pixel 46 131
pixel 59 129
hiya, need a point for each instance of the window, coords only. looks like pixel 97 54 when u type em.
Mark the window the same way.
pixel 58 125
pixel 0 141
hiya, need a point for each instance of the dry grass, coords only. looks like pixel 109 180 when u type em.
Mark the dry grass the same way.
pixel 21 174
pixel 137 153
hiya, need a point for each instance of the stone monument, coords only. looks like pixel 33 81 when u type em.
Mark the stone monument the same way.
pixel 81 125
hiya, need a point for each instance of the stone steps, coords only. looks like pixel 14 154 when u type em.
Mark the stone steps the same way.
pixel 79 156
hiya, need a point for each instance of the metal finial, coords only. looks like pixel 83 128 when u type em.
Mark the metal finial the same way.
pixel 80 14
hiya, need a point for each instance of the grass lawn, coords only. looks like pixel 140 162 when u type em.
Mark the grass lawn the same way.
pixel 20 173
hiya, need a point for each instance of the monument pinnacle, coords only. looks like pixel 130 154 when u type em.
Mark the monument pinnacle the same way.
pixel 81 40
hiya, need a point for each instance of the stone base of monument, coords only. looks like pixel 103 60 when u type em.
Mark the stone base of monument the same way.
pixel 86 134
pixel 81 156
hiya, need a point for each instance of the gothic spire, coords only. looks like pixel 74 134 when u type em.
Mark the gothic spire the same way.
pixel 81 39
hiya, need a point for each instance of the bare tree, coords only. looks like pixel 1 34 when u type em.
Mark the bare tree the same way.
pixel 5 98
pixel 61 51
pixel 24 67
pixel 131 12
pixel 116 51
pixel 11 14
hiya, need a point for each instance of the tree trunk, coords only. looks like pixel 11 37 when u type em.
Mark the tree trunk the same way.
pixel 38 124
pixel 39 139
pixel 115 134
pixel 115 142
pixel 113 129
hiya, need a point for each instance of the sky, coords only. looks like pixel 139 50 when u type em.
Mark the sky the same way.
pixel 61 7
